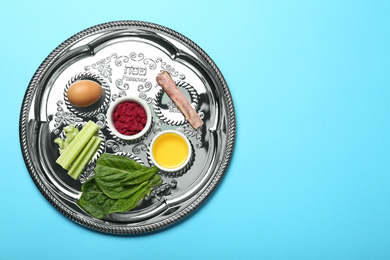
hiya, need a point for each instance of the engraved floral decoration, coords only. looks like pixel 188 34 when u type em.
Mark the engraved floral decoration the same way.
pixel 113 145
pixel 141 147
pixel 143 89
pixel 152 64
pixel 134 57
pixel 103 66
pixel 188 130
pixel 63 117
pixel 120 94
pixel 121 85
pixel 101 120
pixel 165 66
pixel 156 126
pixel 172 107
pixel 88 173
pixel 162 190
pixel 146 87
pixel 120 60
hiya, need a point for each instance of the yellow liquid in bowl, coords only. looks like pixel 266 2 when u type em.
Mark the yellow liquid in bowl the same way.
pixel 170 150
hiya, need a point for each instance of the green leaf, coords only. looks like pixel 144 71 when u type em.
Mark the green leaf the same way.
pixel 118 177
pixel 93 200
pixel 155 181
pixel 123 205
pixel 119 162
pixel 113 194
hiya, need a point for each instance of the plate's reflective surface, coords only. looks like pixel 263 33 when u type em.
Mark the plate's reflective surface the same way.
pixel 125 58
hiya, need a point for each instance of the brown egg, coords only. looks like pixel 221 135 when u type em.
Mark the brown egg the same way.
pixel 84 93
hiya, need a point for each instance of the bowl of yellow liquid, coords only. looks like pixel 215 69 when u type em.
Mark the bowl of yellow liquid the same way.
pixel 170 151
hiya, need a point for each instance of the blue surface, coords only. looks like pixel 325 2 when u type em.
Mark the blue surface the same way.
pixel 310 174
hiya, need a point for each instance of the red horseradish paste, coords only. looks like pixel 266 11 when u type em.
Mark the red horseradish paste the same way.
pixel 129 118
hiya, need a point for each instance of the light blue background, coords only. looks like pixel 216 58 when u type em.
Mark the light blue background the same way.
pixel 310 174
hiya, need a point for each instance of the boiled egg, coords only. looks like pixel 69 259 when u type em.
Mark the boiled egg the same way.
pixel 84 93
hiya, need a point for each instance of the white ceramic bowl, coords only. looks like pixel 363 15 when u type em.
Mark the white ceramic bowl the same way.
pixel 111 111
pixel 180 167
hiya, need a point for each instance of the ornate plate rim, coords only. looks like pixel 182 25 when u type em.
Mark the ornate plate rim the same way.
pixel 118 229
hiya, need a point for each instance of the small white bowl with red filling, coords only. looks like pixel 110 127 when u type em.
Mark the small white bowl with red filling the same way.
pixel 129 118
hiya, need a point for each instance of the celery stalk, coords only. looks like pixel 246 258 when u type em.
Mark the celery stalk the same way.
pixel 84 157
pixel 60 142
pixel 77 145
pixel 70 133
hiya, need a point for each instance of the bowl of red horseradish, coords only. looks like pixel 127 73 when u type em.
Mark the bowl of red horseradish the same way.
pixel 129 118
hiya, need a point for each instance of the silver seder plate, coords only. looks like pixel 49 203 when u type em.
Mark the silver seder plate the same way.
pixel 125 58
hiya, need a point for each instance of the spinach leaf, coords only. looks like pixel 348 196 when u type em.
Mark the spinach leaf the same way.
pixel 93 200
pixel 109 192
pixel 120 177
pixel 123 205
pixel 120 162
pixel 155 181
